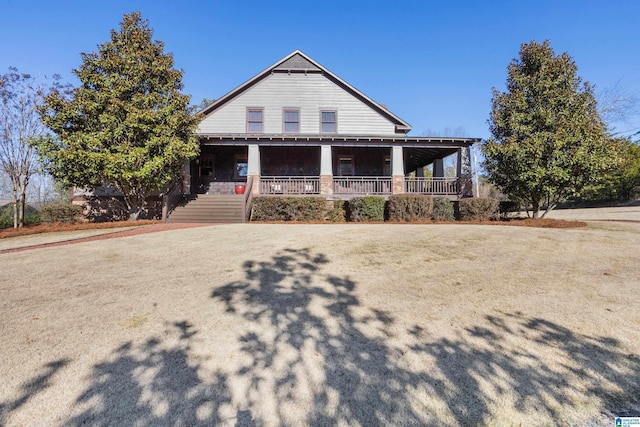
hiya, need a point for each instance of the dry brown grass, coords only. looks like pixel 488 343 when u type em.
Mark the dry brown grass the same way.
pixel 325 325
pixel 528 222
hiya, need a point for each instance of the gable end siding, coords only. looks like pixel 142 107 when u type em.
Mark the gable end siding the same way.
pixel 311 93
pixel 297 62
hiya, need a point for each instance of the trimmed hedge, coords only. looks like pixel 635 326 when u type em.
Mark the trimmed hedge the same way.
pixel 410 207
pixel 31 216
pixel 478 209
pixel 6 218
pixel 401 207
pixel 61 212
pixel 339 211
pixel 367 208
pixel 443 209
pixel 288 209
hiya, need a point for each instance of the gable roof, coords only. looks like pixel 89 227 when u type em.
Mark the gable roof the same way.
pixel 298 62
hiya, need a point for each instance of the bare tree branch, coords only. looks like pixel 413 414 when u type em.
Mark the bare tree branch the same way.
pixel 616 104
pixel 20 124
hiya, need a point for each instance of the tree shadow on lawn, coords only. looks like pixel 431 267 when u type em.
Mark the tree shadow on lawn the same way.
pixel 300 323
pixel 307 319
pixel 32 387
pixel 314 354
pixel 541 367
pixel 153 384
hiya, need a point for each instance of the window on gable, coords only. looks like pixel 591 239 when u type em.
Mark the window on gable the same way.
pixel 328 122
pixel 291 121
pixel 254 120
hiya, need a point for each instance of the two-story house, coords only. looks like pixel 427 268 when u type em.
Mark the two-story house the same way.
pixel 296 128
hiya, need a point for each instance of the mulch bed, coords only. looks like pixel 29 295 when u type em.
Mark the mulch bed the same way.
pixel 60 226
pixel 153 227
pixel 518 222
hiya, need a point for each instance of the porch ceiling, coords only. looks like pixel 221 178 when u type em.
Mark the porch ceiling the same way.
pixel 419 157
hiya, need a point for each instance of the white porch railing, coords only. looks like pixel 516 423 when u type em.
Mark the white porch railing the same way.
pixel 294 185
pixel 362 185
pixel 440 186
pixel 356 185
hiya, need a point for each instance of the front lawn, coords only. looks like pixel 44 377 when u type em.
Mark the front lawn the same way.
pixel 280 324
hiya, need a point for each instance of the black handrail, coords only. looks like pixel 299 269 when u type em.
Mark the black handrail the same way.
pixel 171 197
pixel 248 196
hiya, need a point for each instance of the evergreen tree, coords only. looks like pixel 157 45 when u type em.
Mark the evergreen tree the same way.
pixel 622 182
pixel 548 140
pixel 127 125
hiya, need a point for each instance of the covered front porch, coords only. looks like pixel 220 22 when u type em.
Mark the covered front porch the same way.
pixel 335 167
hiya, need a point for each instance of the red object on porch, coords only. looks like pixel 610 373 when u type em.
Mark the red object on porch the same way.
pixel 240 188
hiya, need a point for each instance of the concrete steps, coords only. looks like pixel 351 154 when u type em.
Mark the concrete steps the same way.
pixel 207 208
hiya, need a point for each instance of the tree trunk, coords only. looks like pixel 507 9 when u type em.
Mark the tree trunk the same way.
pixel 20 213
pixel 23 207
pixel 14 198
pixel 536 210
pixel 134 206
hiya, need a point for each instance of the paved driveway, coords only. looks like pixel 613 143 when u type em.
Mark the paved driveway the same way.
pixel 622 213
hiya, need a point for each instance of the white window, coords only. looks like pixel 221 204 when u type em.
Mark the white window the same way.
pixel 291 121
pixel 254 120
pixel 328 121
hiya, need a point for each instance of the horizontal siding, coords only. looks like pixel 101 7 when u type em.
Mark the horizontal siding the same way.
pixel 310 93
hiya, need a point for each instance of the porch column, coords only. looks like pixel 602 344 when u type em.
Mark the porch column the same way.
pixel 397 170
pixel 326 170
pixel 253 167
pixel 438 168
pixel 464 172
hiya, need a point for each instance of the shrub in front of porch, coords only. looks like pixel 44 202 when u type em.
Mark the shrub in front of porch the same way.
pixel 303 209
pixel 367 208
pixel 338 212
pixel 410 207
pixel 443 209
pixel 478 209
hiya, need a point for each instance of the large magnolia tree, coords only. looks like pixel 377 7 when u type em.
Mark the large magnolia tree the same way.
pixel 126 126
pixel 548 140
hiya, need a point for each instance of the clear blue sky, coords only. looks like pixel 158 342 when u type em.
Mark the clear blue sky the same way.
pixel 431 63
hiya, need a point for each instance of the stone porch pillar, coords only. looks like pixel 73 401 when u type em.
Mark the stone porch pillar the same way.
pixel 464 172
pixel 253 167
pixel 397 170
pixel 326 170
